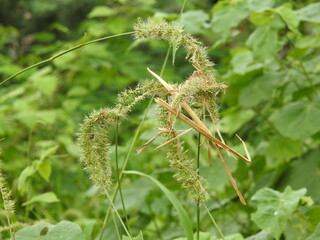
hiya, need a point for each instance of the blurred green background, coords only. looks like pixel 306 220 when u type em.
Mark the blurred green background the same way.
pixel 267 52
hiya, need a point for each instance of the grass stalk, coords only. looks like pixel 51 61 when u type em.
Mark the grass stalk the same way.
pixel 118 215
pixel 131 148
pixel 63 53
pixel 135 137
pixel 116 227
pixel 213 221
pixel 198 202
pixel 118 178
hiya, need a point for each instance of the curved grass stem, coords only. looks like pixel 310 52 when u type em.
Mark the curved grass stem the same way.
pixel 213 221
pixel 118 178
pixel 198 202
pixel 131 149
pixel 63 53
pixel 118 215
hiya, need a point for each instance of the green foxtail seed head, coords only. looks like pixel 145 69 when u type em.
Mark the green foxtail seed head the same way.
pixel 196 52
pixel 93 138
pixel 194 184
pixel 8 203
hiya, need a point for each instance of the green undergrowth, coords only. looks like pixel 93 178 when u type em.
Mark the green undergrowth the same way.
pixel 246 67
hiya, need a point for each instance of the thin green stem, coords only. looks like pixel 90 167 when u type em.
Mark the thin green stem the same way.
pixel 118 215
pixel 165 61
pixel 63 53
pixel 131 149
pixel 116 227
pixel 10 228
pixel 124 165
pixel 198 203
pixel 213 221
pixel 182 7
pixel 118 178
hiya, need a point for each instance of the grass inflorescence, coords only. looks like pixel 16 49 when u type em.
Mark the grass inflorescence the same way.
pixel 200 89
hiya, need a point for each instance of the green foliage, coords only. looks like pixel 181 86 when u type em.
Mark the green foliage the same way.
pixel 275 209
pixel 183 215
pixel 266 52
pixel 46 231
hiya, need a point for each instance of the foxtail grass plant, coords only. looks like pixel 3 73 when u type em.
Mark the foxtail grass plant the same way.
pixel 200 88
pixel 8 203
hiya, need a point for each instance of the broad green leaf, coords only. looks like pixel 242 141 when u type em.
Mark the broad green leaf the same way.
pixel 44 169
pixel 48 197
pixel 133 193
pixel 233 119
pixel 101 11
pixel 194 21
pixel 289 16
pixel 69 144
pixel 315 235
pixel 12 94
pixel 314 215
pixel 139 237
pixel 184 219
pixel 282 148
pixel 297 120
pixel 216 174
pixel 25 174
pixel 88 229
pixel 274 209
pixel 308 42
pixel 209 236
pixel 262 235
pixel 258 5
pixel 45 81
pixel 265 43
pixel 45 231
pixel 262 18
pixel 47 152
pixel 304 172
pixel 310 13
pixel 78 91
pixel 242 61
pixel 226 15
pixel 70 105
pixel 258 90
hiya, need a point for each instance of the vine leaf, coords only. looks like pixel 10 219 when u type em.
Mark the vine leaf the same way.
pixel 297 120
pixel 45 231
pixel 275 209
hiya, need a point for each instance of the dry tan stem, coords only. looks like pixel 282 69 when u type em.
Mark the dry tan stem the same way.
pixel 230 175
pixel 139 150
pixel 172 139
pixel 245 147
pixel 198 125
pixel 199 129
pixel 209 153
pixel 195 118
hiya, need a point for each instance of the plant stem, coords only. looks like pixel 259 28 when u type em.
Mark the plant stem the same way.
pixel 10 228
pixel 198 203
pixel 118 178
pixel 213 221
pixel 182 7
pixel 63 53
pixel 124 166
pixel 131 149
pixel 119 217
pixel 116 227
